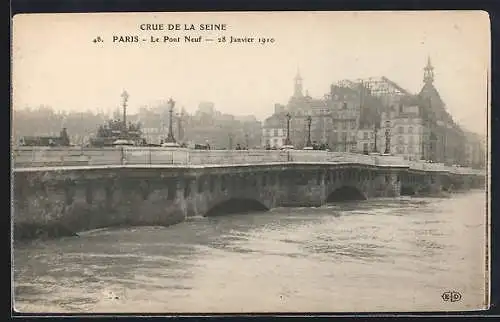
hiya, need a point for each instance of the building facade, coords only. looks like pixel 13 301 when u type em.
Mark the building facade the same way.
pixel 377 115
pixel 205 125
pixel 274 129
pixel 338 120
pixel 402 132
pixel 475 150
pixel 443 139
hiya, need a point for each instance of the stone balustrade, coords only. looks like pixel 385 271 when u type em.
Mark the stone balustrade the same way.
pixel 42 157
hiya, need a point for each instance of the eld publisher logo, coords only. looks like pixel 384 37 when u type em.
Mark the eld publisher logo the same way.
pixel 451 296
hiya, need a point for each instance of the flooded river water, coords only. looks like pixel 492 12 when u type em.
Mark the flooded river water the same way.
pixel 374 255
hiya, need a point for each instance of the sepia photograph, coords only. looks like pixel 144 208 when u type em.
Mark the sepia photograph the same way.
pixel 250 162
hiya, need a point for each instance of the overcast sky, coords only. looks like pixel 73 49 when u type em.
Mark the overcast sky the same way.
pixel 56 63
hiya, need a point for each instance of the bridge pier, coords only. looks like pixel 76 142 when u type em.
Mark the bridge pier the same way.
pixel 304 189
pixel 384 184
pixel 432 185
pixel 393 182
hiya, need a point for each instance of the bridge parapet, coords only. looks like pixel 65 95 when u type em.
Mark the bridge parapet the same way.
pixel 330 157
pixel 200 157
pixel 390 161
pixel 45 157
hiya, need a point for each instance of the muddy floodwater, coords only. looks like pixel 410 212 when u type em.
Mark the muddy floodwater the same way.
pixel 377 255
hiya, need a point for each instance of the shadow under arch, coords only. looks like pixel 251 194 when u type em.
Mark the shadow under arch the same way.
pixel 345 193
pixel 407 190
pixel 236 206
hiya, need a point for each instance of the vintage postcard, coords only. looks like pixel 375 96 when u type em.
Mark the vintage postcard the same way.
pixel 249 162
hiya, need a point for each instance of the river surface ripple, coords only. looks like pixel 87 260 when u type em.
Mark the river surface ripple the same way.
pixel 375 255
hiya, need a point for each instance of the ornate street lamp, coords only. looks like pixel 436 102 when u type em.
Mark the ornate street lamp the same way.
pixel 426 129
pixel 170 141
pixel 344 138
pixel 309 121
pixel 433 151
pixel 387 138
pixel 179 125
pixel 288 142
pixel 230 136
pixel 125 99
pixel 422 157
pixel 375 132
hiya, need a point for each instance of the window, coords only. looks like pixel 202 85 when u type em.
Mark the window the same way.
pixel 401 130
pixel 365 135
pixel 353 125
pixel 344 125
pixel 410 149
pixel 410 130
pixel 401 140
pixel 365 147
pixel 334 137
pixel 344 105
pixel 276 132
pixel 344 136
pixel 410 139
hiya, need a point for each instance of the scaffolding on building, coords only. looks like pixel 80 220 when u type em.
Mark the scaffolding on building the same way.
pixel 376 86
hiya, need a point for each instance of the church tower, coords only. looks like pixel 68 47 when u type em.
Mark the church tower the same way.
pixel 428 72
pixel 429 93
pixel 297 92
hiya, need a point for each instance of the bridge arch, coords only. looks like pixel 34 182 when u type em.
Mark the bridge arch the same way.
pixel 236 205
pixel 346 193
pixel 407 190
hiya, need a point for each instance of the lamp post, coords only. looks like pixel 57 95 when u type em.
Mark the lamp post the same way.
pixel 125 99
pixel 428 152
pixel 387 138
pixel 246 140
pixel 230 136
pixel 375 132
pixel 309 121
pixel 344 138
pixel 433 147
pixel 444 146
pixel 288 142
pixel 426 139
pixel 179 126
pixel 170 141
pixel 422 146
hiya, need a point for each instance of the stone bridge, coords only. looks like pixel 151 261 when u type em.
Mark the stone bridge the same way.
pixel 68 199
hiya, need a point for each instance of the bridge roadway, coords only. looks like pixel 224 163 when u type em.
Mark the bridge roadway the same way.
pixel 64 191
